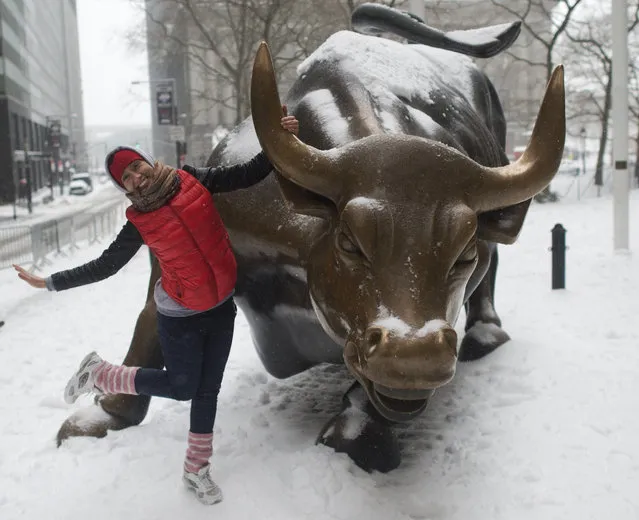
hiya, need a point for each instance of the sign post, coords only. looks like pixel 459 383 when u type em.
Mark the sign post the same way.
pixel 55 130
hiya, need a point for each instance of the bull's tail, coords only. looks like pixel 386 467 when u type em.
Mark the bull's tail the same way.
pixel 484 42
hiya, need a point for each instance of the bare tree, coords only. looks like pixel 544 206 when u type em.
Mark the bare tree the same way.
pixel 633 88
pixel 218 38
pixel 543 22
pixel 591 61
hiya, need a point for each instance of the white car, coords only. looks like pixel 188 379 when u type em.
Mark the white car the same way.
pixel 80 184
pixel 78 187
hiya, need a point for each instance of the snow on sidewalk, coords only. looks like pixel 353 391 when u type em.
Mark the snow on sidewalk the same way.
pixel 543 428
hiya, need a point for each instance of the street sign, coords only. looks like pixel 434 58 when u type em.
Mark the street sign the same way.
pixel 55 129
pixel 18 155
pixel 165 99
pixel 176 133
pixel 165 104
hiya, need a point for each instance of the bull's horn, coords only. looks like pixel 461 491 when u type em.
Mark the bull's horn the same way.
pixel 300 163
pixel 533 171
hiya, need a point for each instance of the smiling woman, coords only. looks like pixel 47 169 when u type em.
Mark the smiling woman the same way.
pixel 173 213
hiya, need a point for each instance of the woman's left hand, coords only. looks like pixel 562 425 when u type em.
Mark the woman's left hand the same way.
pixel 290 123
pixel 31 279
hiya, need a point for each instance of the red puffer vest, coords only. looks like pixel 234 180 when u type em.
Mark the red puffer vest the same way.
pixel 189 239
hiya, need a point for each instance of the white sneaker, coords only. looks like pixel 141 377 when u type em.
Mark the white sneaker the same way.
pixel 82 381
pixel 201 483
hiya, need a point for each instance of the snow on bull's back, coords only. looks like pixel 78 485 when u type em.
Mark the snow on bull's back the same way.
pixel 406 70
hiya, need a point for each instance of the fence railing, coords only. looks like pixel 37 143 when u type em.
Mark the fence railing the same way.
pixel 15 245
pixel 33 244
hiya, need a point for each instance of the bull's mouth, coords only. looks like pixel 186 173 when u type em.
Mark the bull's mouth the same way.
pixel 396 405
pixel 393 403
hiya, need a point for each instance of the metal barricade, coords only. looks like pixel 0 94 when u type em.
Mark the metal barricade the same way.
pixel 15 245
pixel 24 244
pixel 45 239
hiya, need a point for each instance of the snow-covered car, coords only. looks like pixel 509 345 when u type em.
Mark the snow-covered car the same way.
pixel 85 177
pixel 81 184
pixel 79 187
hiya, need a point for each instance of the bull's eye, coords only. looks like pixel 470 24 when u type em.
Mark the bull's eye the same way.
pixel 468 257
pixel 344 243
pixel 463 263
pixel 469 254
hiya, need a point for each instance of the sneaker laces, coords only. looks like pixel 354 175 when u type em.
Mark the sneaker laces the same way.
pixel 211 486
pixel 205 482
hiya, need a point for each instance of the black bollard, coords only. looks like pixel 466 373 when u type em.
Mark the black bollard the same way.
pixel 558 257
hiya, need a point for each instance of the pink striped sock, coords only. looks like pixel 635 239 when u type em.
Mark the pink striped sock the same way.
pixel 115 379
pixel 198 452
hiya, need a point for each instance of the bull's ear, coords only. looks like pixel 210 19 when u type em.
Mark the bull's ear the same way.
pixel 305 202
pixel 502 225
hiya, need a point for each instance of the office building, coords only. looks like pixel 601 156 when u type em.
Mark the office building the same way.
pixel 41 114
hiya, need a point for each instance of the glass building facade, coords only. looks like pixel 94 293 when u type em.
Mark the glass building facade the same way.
pixel 40 86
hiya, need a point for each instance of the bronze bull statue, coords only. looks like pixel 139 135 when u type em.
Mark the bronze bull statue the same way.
pixel 381 223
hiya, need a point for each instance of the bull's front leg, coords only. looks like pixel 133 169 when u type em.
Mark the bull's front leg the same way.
pixel 116 412
pixel 360 432
pixel 483 326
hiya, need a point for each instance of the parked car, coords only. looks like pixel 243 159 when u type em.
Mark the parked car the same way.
pixel 83 176
pixel 81 184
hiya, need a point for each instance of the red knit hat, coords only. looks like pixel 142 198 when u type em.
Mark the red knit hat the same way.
pixel 117 160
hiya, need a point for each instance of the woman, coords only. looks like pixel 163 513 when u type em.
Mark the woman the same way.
pixel 172 212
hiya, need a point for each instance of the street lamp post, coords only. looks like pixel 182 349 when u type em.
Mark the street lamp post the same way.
pixel 16 189
pixel 620 179
pixel 158 80
pixel 27 171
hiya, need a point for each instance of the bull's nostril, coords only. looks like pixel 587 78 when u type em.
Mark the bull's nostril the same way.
pixel 450 338
pixel 374 337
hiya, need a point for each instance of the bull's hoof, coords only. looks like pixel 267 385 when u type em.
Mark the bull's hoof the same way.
pixel 481 339
pixel 369 443
pixel 91 421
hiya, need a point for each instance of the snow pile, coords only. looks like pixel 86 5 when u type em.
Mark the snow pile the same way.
pixel 545 427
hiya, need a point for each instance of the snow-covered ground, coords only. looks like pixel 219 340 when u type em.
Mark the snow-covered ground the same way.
pixel 544 428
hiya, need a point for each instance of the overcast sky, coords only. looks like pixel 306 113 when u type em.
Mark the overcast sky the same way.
pixel 109 65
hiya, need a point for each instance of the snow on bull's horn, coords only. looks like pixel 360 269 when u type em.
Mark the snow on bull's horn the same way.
pixel 300 163
pixel 532 172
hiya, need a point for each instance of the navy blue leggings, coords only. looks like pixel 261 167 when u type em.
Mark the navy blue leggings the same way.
pixel 196 349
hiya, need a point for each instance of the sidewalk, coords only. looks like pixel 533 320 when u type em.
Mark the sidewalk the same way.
pixel 61 206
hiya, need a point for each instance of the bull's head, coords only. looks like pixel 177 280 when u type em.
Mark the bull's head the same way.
pixel 388 277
